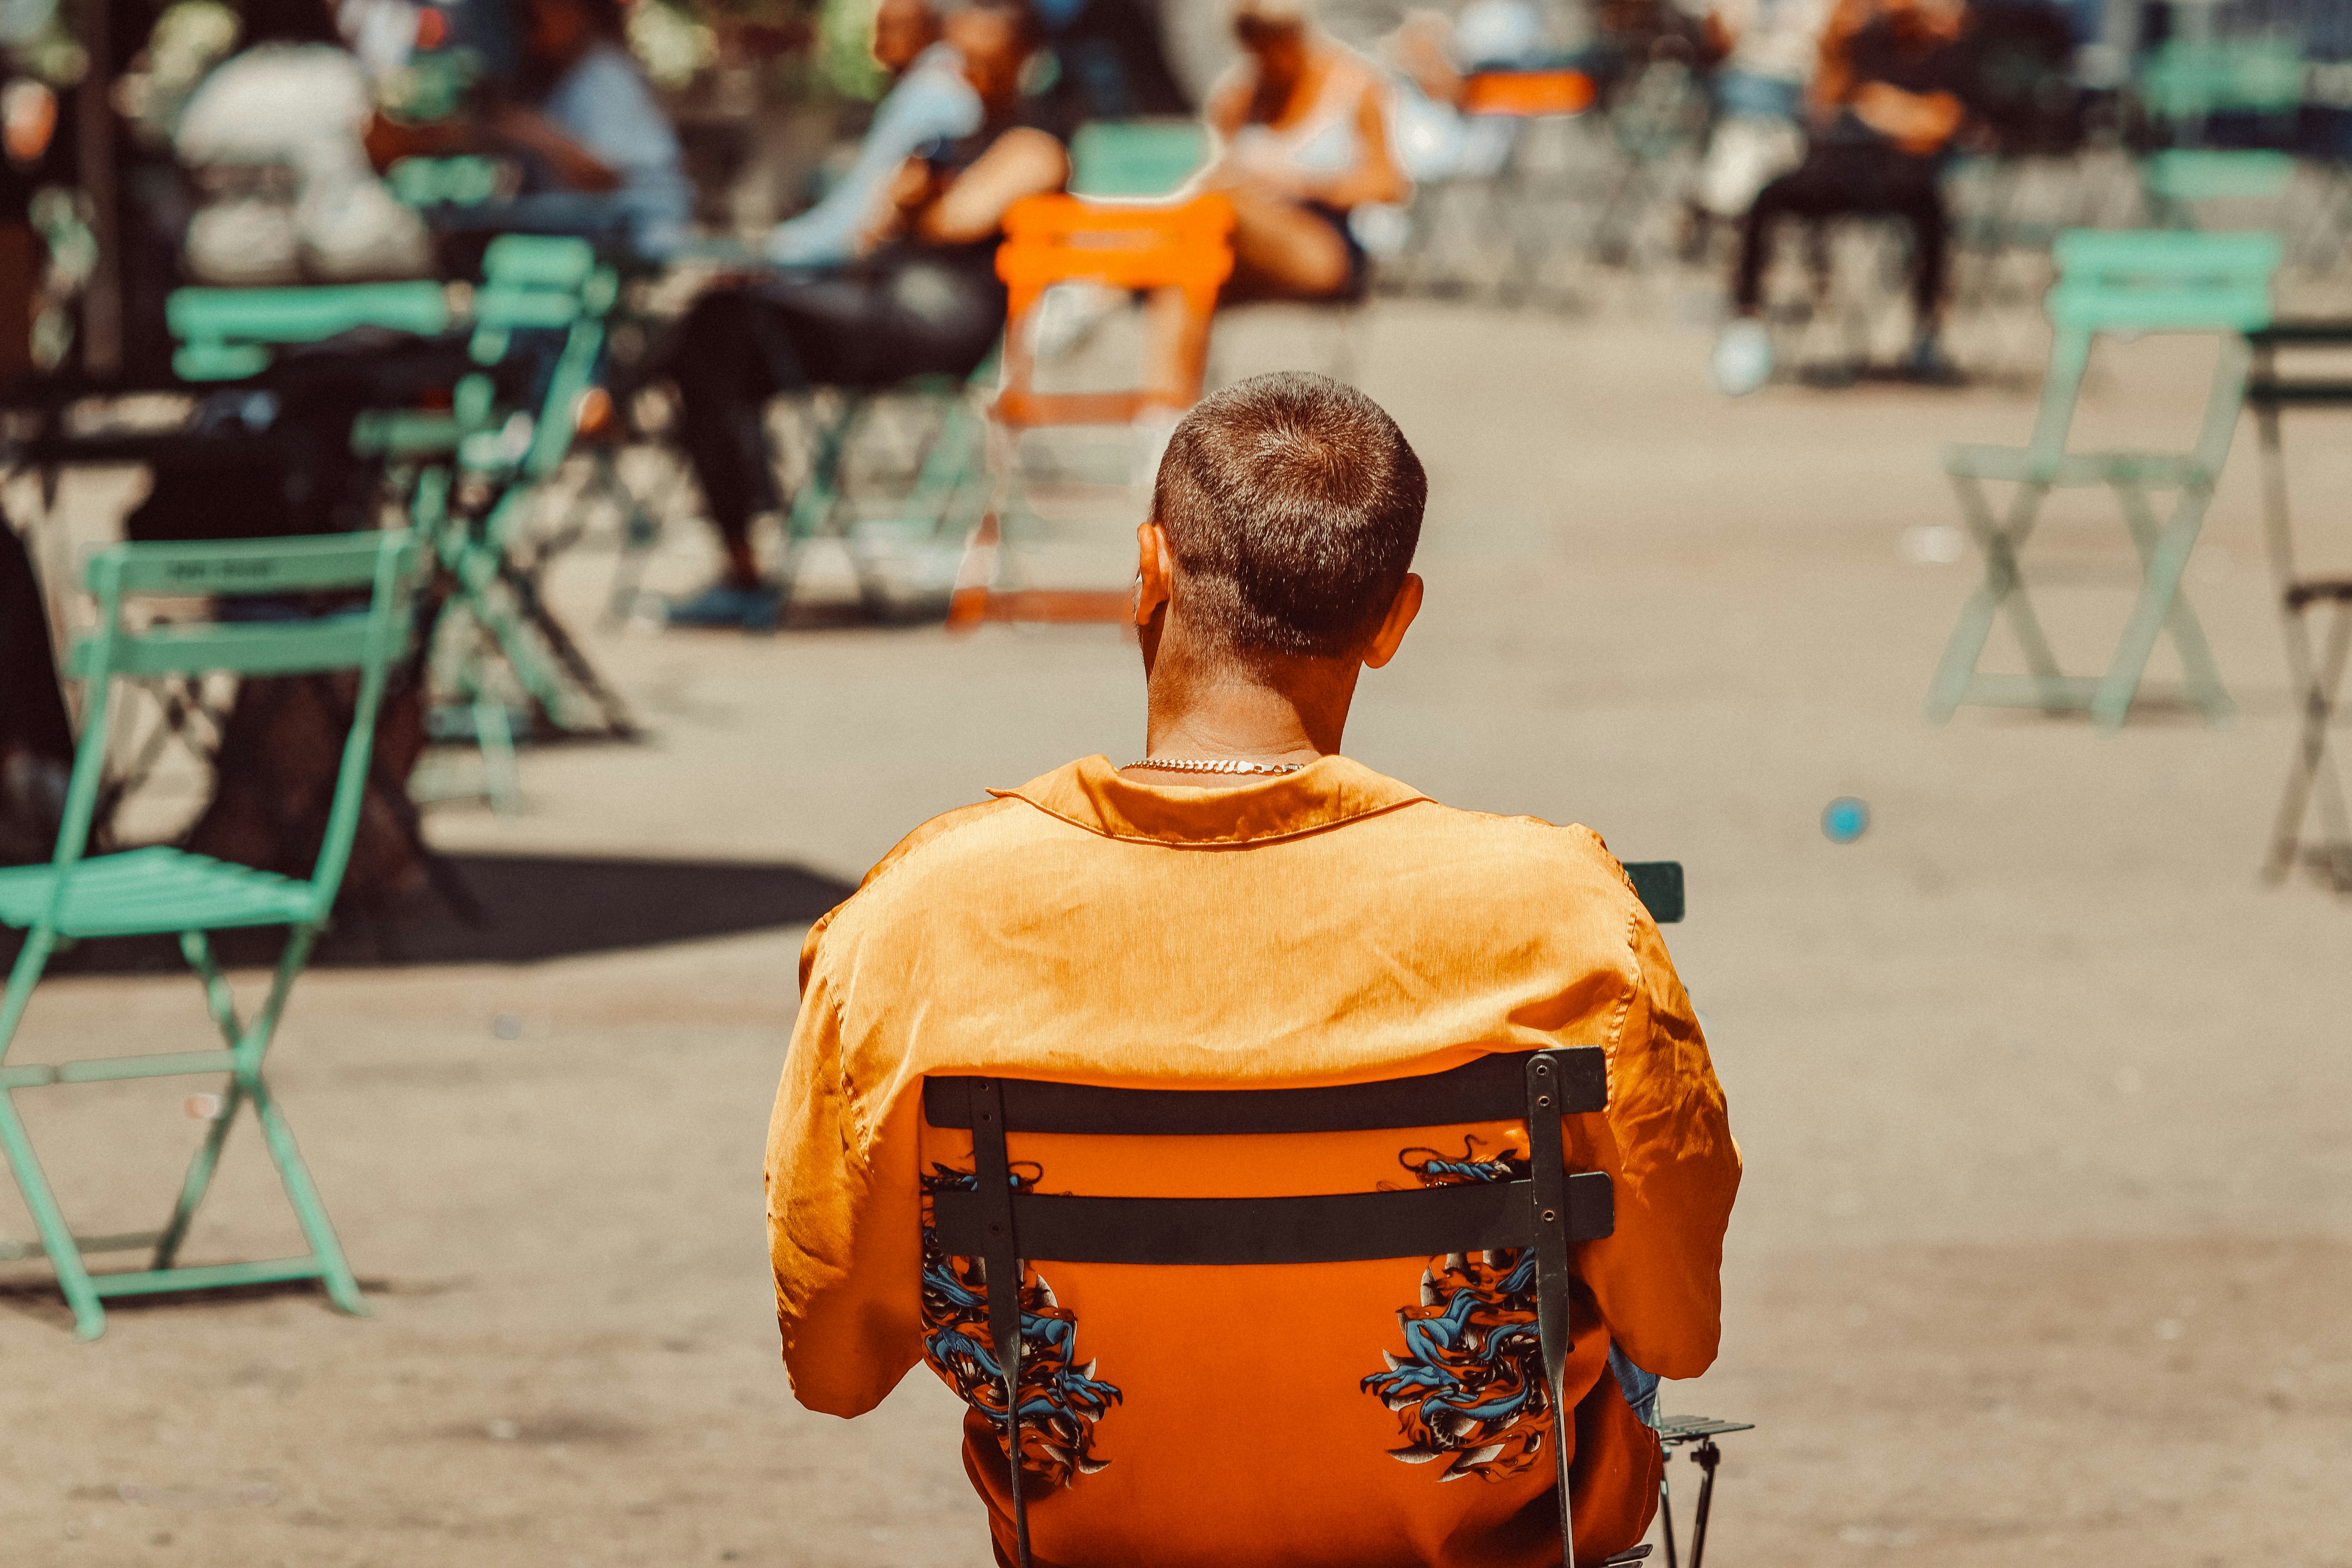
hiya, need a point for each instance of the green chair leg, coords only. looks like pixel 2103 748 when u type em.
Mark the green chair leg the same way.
pixel 57 1240
pixel 2164 551
pixel 335 1272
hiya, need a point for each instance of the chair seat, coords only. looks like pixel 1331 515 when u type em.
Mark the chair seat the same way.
pixel 2022 464
pixel 146 892
pixel 2318 590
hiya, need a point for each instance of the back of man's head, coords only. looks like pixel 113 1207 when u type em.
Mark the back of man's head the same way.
pixel 1292 505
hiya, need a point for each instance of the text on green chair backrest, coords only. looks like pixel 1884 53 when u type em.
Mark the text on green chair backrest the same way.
pixel 2161 280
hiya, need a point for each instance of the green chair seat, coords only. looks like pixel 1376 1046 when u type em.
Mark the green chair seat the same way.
pixel 149 891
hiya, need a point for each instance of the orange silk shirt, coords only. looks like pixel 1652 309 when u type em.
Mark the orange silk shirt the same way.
pixel 1328 926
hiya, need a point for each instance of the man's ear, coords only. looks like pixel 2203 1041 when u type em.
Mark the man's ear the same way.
pixel 1155 570
pixel 1401 609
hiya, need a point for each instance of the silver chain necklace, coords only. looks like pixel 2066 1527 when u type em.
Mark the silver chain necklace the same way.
pixel 1191 765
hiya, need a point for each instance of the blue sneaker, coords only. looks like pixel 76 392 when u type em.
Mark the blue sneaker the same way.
pixel 723 605
pixel 1742 361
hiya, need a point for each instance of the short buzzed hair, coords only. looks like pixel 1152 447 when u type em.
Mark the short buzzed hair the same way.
pixel 1291 504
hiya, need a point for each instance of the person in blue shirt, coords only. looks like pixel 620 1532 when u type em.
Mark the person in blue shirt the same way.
pixel 599 155
pixel 589 124
pixel 930 102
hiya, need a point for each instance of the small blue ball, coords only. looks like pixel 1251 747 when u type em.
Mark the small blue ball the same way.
pixel 1845 819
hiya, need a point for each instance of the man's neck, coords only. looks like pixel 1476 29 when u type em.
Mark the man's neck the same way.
pixel 1289 711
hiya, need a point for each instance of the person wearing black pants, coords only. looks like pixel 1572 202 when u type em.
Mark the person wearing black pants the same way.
pixel 925 299
pixel 1887 102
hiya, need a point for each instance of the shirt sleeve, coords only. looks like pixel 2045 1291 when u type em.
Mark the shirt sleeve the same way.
pixel 1665 1141
pixel 930 103
pixel 606 106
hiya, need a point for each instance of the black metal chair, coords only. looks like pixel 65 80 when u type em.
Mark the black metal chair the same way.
pixel 1549 1209
pixel 2311 781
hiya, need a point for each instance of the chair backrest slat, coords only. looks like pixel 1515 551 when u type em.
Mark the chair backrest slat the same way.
pixel 1324 1228
pixel 238 566
pixel 2133 281
pixel 1491 1088
pixel 228 333
pixel 293 648
pixel 2162 280
pixel 1542 1212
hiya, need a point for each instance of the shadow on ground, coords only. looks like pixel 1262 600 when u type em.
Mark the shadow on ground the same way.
pixel 528 907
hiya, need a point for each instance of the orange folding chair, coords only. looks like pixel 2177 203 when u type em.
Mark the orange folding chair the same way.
pixel 1185 246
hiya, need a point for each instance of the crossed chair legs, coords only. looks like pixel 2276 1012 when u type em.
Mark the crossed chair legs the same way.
pixel 2163 548
pixel 2311 781
pixel 246 1044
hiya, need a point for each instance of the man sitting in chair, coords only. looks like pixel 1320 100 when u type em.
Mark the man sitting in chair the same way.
pixel 1242 906
pixel 1886 102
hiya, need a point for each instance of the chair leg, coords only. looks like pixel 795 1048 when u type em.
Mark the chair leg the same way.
pixel 89 1318
pixel 2002 591
pixel 250 1046
pixel 2158 607
pixel 342 1288
pixel 2312 774
pixel 197 949
pixel 1706 1457
pixel 32 1183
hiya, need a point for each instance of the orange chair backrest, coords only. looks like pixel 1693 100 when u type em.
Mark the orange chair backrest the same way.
pixel 1062 239
pixel 1527 95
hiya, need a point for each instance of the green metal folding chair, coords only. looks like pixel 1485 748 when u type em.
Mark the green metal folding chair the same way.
pixel 2127 282
pixel 164 891
pixel 499 639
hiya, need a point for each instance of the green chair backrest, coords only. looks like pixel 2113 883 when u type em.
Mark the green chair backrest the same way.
pixel 468 181
pixel 1135 158
pixel 226 334
pixel 2186 79
pixel 2136 282
pixel 543 281
pixel 366 641
pixel 2187 174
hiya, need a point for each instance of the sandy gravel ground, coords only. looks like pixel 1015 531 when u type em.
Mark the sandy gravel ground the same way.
pixel 2047 1233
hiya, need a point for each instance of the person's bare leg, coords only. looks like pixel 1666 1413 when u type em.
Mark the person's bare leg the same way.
pixel 1280 249
pixel 1175 351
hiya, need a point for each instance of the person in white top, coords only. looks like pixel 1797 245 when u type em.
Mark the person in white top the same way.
pixel 1304 138
pixel 273 136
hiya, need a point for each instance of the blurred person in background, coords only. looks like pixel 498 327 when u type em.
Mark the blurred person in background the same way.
pixel 1303 144
pixel 923 298
pixel 928 100
pixel 599 154
pixel 1433 55
pixel 1766 51
pixel 1886 102
pixel 273 136
pixel 1302 132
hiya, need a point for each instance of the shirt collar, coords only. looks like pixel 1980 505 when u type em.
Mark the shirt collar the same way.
pixel 1092 795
